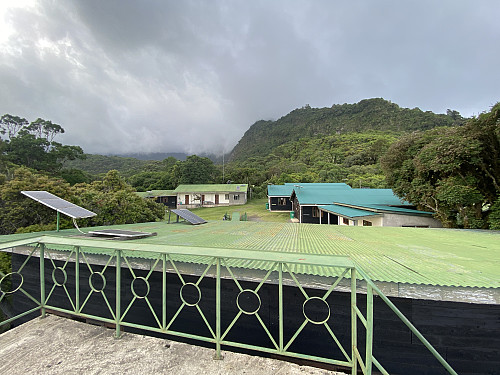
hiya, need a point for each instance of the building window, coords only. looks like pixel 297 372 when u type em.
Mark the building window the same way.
pixel 315 211
pixel 367 223
pixel 236 197
pixel 227 197
pixel 345 221
pixel 282 201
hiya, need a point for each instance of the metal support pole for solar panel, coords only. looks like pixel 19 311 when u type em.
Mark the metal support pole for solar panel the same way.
pixel 118 293
pixel 77 279
pixel 58 220
pixel 354 317
pixel 42 280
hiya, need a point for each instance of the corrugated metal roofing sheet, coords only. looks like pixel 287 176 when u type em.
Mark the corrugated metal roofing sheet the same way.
pixel 347 211
pixel 355 197
pixel 402 255
pixel 380 207
pixel 279 190
pixel 286 189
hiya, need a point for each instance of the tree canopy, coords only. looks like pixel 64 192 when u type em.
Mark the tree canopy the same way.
pixel 32 144
pixel 454 172
pixel 367 115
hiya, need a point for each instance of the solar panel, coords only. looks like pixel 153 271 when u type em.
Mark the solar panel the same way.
pixel 188 216
pixel 59 204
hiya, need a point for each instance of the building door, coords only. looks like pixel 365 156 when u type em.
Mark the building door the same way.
pixel 202 199
pixel 216 198
pixel 186 199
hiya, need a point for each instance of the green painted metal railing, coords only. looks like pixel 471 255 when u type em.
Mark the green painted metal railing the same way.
pixel 217 262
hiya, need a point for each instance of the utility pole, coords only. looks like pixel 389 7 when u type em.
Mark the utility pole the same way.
pixel 223 179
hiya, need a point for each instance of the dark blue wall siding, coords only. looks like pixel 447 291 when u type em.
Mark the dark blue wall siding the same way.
pixel 275 206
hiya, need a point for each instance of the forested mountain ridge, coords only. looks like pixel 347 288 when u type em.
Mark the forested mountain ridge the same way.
pixel 367 115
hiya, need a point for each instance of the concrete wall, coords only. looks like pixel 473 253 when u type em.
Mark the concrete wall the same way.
pixel 377 221
pixel 394 220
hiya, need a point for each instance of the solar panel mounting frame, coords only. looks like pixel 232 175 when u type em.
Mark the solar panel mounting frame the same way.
pixel 120 234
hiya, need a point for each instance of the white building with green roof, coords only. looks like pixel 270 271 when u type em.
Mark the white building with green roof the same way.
pixel 211 195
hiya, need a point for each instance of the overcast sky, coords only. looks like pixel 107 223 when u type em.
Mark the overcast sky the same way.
pixel 192 76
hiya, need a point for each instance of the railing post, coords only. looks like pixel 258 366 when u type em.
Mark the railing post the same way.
pixel 77 279
pixel 42 280
pixel 118 292
pixel 164 293
pixel 217 313
pixel 280 313
pixel 369 329
pixel 354 317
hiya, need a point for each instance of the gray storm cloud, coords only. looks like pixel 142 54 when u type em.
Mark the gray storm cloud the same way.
pixel 192 76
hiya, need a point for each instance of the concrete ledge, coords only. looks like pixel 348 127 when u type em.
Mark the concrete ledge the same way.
pixel 56 345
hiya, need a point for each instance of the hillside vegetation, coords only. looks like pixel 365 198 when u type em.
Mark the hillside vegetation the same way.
pixel 367 115
pixel 101 164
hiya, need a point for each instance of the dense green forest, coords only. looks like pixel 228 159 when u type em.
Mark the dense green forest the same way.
pixel 306 122
pixel 453 172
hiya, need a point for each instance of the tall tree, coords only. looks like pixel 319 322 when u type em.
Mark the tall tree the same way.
pixel 10 125
pixel 33 145
pixel 194 170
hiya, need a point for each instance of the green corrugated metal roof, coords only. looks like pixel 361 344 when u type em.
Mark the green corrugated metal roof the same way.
pixel 279 190
pixel 212 188
pixel 355 197
pixel 401 255
pixel 379 207
pixel 288 187
pixel 347 211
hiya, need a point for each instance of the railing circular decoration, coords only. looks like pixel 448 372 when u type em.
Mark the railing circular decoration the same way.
pixel 6 277
pixel 190 294
pixel 248 301
pixel 93 280
pixel 140 291
pixel 316 307
pixel 56 276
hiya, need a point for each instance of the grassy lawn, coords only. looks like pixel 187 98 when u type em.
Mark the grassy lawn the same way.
pixel 255 210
